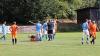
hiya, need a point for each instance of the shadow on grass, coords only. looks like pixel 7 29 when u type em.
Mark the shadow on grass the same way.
pixel 28 41
pixel 4 44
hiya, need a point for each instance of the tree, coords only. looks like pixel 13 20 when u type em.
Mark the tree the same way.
pixel 38 9
pixel 16 9
pixel 48 7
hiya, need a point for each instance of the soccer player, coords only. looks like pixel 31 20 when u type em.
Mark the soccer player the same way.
pixel 45 29
pixel 90 27
pixel 50 30
pixel 4 31
pixel 85 32
pixel 39 31
pixel 13 30
pixel 55 28
pixel 93 31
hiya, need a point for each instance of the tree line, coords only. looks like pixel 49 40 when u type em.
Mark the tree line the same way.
pixel 39 9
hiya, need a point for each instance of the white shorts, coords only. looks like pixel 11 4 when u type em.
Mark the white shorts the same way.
pixel 44 32
pixel 86 32
pixel 54 31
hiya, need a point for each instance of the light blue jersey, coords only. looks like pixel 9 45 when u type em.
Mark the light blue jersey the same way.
pixel 4 29
pixel 38 27
pixel 45 26
pixel 85 26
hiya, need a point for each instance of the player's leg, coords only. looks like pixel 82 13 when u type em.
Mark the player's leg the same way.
pixel 43 35
pixel 94 37
pixel 93 40
pixel 12 41
pixel 54 34
pixel 51 36
pixel 90 35
pixel 87 34
pixel 46 35
pixel 12 38
pixel 37 36
pixel 87 39
pixel 40 36
pixel 15 39
pixel 82 41
pixel 4 36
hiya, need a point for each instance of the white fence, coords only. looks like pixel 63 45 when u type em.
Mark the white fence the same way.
pixel 22 29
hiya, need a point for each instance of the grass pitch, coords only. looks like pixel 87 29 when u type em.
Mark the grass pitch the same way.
pixel 65 44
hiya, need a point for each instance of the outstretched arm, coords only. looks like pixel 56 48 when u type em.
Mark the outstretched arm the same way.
pixel 31 22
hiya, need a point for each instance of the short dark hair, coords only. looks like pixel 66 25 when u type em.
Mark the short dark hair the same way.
pixel 14 22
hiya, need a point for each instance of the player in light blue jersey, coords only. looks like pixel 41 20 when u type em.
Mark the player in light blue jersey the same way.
pixel 39 31
pixel 85 32
pixel 4 30
pixel 45 27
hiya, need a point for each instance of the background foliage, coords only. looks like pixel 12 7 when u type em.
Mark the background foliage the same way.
pixel 38 9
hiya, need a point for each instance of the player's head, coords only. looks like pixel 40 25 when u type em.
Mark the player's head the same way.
pixel 52 20
pixel 4 22
pixel 14 22
pixel 45 21
pixel 93 22
pixel 38 21
pixel 49 20
pixel 89 21
pixel 85 20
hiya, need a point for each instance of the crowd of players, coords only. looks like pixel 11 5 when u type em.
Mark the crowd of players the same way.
pixel 13 29
pixel 46 30
pixel 89 29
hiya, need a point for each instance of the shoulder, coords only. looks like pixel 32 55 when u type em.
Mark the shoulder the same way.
pixel 40 24
pixel 83 24
pixel 95 25
pixel 2 25
pixel 11 26
pixel 16 25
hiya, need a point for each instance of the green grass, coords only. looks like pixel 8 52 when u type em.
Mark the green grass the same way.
pixel 65 44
